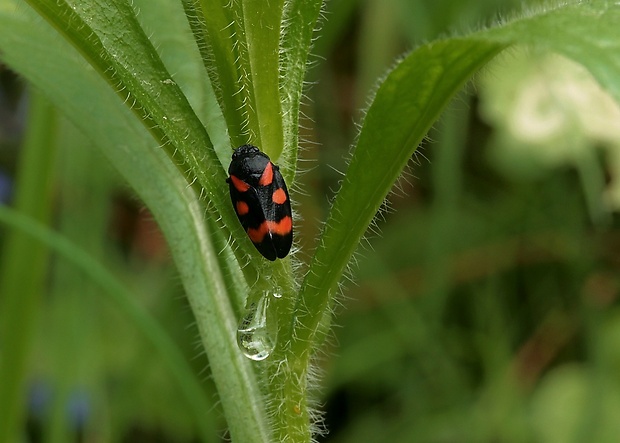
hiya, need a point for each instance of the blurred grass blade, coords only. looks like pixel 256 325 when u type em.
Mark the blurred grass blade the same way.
pixel 127 303
pixel 24 265
pixel 410 100
pixel 33 49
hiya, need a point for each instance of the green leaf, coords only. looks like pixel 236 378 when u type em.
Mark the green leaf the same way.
pixel 49 63
pixel 411 99
pixel 214 29
pixel 135 71
pixel 239 43
pixel 261 27
pixel 299 21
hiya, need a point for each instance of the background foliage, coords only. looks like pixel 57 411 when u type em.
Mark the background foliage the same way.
pixel 484 311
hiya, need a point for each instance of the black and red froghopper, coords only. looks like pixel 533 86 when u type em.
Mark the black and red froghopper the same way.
pixel 261 201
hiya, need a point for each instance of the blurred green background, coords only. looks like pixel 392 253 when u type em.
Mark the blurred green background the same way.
pixel 483 306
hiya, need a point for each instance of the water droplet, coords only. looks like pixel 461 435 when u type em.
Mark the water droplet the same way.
pixel 255 336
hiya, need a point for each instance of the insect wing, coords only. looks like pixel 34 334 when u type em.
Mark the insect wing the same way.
pixel 250 212
pixel 261 201
pixel 281 216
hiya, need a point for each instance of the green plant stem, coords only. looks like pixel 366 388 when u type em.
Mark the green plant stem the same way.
pixel 261 27
pixel 292 415
pixel 24 264
pixel 299 21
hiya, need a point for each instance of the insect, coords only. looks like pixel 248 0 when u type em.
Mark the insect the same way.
pixel 261 201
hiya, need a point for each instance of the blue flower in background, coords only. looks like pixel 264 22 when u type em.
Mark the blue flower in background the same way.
pixel 6 188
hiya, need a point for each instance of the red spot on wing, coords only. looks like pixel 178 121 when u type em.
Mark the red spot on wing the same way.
pixel 242 208
pixel 281 228
pixel 239 185
pixel 279 196
pixel 258 235
pixel 267 177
